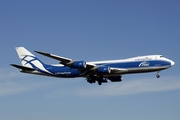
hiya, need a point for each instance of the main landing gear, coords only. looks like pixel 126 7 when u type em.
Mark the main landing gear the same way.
pixel 158 76
pixel 99 83
pixel 100 80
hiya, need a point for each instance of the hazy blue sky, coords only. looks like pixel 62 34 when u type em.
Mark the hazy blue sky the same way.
pixel 89 30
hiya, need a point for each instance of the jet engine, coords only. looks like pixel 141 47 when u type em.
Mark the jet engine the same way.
pixel 103 69
pixel 79 64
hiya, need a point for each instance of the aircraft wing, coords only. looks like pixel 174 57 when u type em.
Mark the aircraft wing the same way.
pixel 64 61
pixel 88 70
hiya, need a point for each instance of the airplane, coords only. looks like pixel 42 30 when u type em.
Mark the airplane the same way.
pixel 100 71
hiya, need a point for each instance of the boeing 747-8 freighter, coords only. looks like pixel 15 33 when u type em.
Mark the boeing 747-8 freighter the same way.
pixel 100 71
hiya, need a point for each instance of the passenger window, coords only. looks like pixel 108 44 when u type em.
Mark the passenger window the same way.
pixel 161 56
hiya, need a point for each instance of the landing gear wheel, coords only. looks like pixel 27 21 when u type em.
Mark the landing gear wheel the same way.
pixel 99 83
pixel 158 76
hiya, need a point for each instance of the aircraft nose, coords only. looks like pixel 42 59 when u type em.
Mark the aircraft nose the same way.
pixel 172 63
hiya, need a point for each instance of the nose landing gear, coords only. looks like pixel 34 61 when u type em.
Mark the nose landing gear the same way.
pixel 158 76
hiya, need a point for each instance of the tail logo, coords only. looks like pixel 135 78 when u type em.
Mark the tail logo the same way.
pixel 28 60
pixel 32 61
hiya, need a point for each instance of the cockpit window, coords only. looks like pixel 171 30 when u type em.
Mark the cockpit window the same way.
pixel 161 56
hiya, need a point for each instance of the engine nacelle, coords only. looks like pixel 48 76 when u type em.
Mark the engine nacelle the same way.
pixel 79 64
pixel 104 69
pixel 115 78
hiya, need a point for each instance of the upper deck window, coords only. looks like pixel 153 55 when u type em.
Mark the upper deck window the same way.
pixel 161 56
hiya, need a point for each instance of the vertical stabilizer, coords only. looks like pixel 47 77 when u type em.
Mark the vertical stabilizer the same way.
pixel 27 58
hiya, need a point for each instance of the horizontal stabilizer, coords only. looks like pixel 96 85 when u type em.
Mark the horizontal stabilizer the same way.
pixel 23 67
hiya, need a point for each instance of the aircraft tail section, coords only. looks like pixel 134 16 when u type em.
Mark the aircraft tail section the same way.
pixel 28 59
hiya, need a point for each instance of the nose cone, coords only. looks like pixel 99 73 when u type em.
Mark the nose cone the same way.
pixel 172 63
